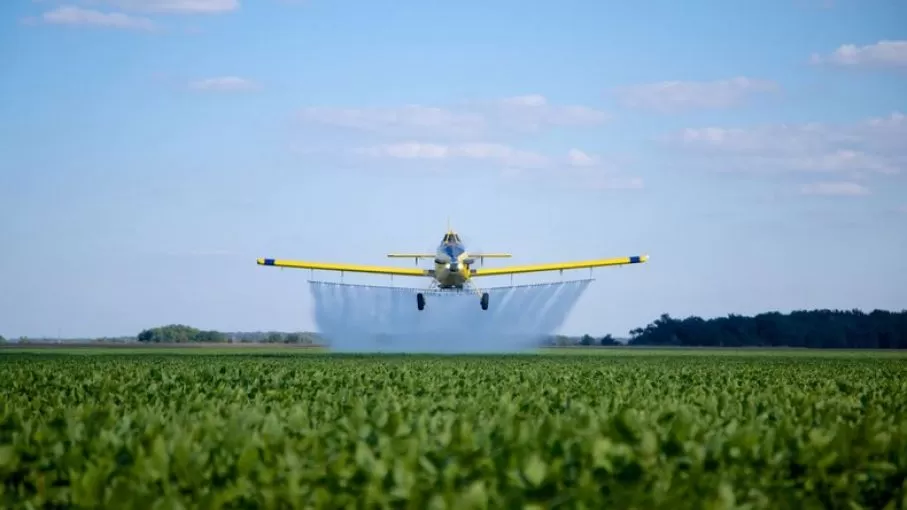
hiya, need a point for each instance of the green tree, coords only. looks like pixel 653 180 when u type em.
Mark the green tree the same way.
pixel 561 340
pixel 803 328
pixel 608 340
pixel 178 333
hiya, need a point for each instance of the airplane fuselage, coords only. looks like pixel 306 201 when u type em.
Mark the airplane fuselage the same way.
pixel 451 265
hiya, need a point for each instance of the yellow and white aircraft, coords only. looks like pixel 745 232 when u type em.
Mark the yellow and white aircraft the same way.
pixel 453 266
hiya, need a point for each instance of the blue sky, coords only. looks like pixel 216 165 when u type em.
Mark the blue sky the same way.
pixel 150 150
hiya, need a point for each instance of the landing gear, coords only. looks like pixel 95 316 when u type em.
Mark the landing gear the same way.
pixel 420 300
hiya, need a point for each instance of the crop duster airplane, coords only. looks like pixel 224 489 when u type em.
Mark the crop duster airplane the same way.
pixel 453 267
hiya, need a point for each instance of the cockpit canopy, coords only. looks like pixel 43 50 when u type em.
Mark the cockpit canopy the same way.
pixel 451 238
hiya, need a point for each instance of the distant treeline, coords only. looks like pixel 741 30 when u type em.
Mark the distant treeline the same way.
pixel 564 341
pixel 813 328
pixel 831 329
pixel 178 333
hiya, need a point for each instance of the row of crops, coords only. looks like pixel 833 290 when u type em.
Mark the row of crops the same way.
pixel 191 430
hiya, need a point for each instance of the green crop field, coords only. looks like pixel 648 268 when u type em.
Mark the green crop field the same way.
pixel 572 428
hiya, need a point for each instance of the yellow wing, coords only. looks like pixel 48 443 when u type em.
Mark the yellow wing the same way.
pixel 352 268
pixel 559 266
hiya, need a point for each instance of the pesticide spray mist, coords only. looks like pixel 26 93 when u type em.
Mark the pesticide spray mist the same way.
pixel 361 318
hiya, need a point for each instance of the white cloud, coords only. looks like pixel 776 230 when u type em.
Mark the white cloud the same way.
pixel 409 150
pixel 872 146
pixel 175 6
pixel 602 182
pixel 592 171
pixel 835 188
pixel 223 83
pixel 673 96
pixel 533 112
pixel 579 158
pixel 531 100
pixel 880 54
pixel 76 16
pixel 483 133
pixel 576 167
pixel 397 121
pixel 473 119
pixel 493 152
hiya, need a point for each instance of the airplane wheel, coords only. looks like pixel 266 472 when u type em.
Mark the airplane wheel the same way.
pixel 420 301
pixel 484 301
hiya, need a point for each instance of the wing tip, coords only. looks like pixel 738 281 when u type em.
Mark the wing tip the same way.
pixel 265 262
